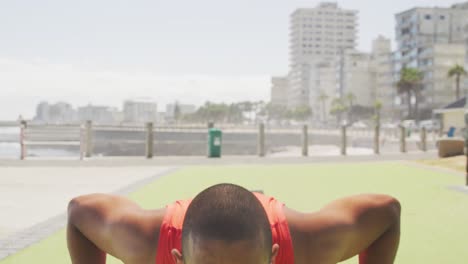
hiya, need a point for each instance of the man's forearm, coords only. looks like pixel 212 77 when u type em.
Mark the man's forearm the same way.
pixel 384 249
pixel 82 251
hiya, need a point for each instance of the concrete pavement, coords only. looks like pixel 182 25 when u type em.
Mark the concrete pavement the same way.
pixel 33 200
pixel 199 160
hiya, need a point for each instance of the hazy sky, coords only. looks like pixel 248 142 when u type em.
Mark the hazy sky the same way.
pixel 104 51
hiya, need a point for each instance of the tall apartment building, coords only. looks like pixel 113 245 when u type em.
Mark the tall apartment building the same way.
pixel 140 110
pixel 279 91
pixel 324 85
pixel 359 77
pixel 42 112
pixel 385 91
pixel 317 35
pixel 58 113
pixel 366 75
pixel 436 62
pixel 183 108
pixel 100 114
pixel 422 34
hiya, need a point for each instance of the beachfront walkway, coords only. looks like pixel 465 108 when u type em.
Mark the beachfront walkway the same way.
pixel 33 200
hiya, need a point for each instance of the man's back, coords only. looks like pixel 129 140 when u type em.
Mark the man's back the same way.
pixel 367 225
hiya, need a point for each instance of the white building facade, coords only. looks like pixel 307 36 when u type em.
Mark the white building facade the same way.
pixel 431 40
pixel 140 111
pixel 279 90
pixel 183 108
pixel 317 35
pixel 385 91
pixel 100 114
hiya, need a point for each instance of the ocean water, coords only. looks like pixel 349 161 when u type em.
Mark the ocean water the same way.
pixel 8 149
pixel 13 150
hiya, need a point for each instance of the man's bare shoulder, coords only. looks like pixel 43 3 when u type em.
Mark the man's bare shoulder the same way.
pixel 342 228
pixel 301 225
pixel 118 224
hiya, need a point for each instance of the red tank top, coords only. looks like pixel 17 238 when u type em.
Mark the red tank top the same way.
pixel 170 235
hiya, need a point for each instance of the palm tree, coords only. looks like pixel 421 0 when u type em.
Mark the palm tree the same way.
pixel 177 112
pixel 323 97
pixel 410 82
pixel 247 106
pixel 457 71
pixel 337 108
pixel 350 97
pixel 377 108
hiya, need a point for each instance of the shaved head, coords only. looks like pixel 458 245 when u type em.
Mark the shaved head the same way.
pixel 226 224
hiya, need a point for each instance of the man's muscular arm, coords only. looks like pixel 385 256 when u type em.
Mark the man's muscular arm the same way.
pixel 100 224
pixel 364 225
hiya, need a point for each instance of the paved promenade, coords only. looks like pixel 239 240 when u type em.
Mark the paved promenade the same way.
pixel 198 160
pixel 33 200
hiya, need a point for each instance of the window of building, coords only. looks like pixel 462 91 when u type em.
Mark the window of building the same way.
pixel 429 75
pixel 442 17
pixel 427 17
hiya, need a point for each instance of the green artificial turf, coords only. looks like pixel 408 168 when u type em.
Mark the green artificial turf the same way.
pixel 434 218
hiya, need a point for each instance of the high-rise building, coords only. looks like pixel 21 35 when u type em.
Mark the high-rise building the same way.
pixel 367 76
pixel 42 112
pixel 359 78
pixel 317 35
pixel 436 62
pixel 279 91
pixel 385 91
pixel 58 113
pixel 324 86
pixel 99 114
pixel 140 110
pixel 431 40
pixel 183 108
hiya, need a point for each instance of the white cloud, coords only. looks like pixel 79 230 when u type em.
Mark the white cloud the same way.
pixel 24 84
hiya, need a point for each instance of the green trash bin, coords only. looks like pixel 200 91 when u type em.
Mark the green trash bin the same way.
pixel 214 143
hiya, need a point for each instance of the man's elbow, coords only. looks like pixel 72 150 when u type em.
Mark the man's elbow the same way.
pixel 387 205
pixel 392 208
pixel 73 209
pixel 78 207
